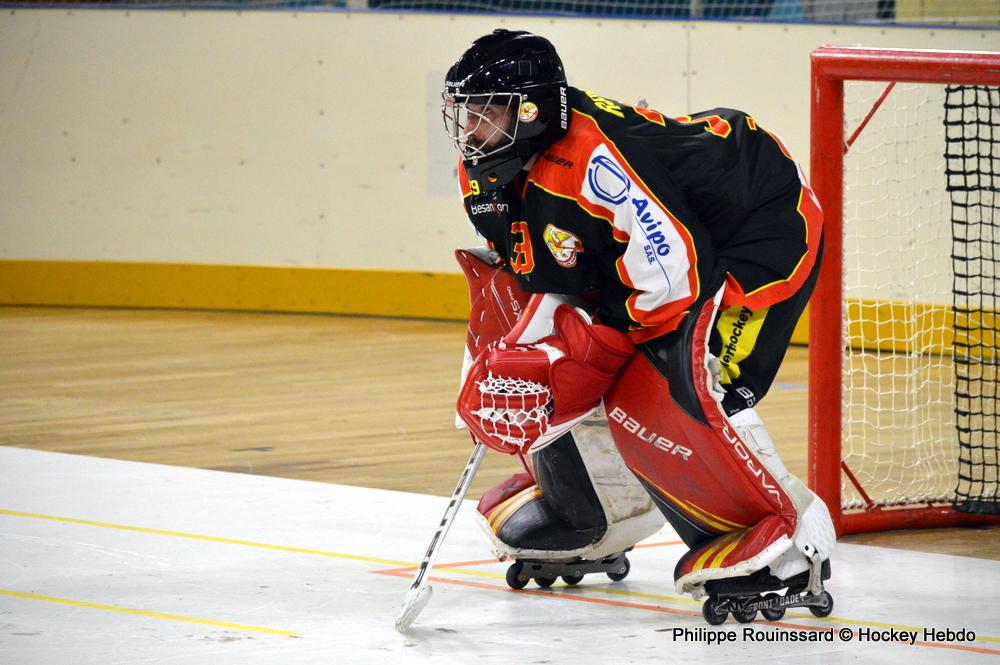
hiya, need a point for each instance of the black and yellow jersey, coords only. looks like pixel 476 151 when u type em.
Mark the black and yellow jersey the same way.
pixel 639 210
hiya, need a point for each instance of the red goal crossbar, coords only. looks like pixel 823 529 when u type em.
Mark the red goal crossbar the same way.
pixel 831 66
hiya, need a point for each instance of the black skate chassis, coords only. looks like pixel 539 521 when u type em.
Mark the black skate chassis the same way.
pixel 743 597
pixel 572 571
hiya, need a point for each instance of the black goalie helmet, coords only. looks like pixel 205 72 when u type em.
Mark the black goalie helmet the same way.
pixel 504 101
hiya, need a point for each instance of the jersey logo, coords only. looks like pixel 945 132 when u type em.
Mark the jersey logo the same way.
pixel 484 208
pixel 655 261
pixel 522 260
pixel 607 180
pixel 565 246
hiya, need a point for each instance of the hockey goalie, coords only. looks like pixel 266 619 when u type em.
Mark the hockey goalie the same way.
pixel 641 281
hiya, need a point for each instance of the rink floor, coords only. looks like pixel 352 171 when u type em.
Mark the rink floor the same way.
pixel 104 561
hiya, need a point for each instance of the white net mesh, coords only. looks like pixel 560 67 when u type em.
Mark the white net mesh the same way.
pixel 921 297
pixel 898 435
pixel 514 410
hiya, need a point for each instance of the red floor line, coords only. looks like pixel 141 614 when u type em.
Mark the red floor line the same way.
pixel 641 606
pixel 411 569
pixel 481 562
pixel 664 543
pixel 549 594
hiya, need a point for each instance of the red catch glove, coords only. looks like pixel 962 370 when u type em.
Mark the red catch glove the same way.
pixel 521 397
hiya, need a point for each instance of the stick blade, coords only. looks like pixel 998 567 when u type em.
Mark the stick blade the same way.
pixel 415 601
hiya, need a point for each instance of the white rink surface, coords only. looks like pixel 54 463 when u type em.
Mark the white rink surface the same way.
pixel 103 561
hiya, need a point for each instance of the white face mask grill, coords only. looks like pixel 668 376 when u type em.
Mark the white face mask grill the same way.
pixel 481 125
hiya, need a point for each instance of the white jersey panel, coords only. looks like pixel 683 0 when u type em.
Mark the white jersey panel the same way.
pixel 656 259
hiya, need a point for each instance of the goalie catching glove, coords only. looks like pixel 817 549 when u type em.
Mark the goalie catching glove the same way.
pixel 521 397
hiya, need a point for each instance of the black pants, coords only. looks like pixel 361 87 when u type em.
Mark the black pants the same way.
pixel 751 345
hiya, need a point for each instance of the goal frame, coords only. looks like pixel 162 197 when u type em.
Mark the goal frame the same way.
pixel 830 140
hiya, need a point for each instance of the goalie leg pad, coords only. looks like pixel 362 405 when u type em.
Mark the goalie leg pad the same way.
pixel 503 491
pixel 814 531
pixel 562 476
pixel 630 513
pixel 708 481
pixel 586 503
pixel 527 525
pixel 735 554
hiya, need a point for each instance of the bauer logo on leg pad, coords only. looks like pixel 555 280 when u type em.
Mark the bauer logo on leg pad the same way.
pixel 633 426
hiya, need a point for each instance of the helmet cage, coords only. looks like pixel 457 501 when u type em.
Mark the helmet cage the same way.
pixel 481 125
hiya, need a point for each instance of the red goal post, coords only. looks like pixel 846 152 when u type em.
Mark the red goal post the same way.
pixel 831 139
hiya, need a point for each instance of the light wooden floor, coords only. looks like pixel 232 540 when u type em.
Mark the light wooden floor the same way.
pixel 356 401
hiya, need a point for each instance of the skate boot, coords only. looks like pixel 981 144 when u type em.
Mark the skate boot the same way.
pixel 744 596
pixel 572 571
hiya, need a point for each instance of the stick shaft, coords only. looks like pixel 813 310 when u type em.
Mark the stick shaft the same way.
pixel 464 481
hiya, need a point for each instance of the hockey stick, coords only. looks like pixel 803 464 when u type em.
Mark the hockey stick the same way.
pixel 420 591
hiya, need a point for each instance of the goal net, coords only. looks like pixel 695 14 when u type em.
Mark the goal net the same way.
pixel 972 167
pixel 904 323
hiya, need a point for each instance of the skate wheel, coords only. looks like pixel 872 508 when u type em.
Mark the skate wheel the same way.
pixel 824 609
pixel 572 580
pixel 619 576
pixel 710 610
pixel 773 614
pixel 514 579
pixel 545 582
pixel 745 616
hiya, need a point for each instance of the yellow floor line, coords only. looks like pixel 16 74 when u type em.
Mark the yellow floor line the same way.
pixel 148 613
pixel 405 564
pixel 211 539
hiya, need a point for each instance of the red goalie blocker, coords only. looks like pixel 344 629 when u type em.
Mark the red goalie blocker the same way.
pixel 521 397
pixel 496 299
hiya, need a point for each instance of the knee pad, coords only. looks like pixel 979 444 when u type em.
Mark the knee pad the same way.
pixel 580 501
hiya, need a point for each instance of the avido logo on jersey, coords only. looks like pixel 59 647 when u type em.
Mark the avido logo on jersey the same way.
pixel 607 180
pixel 652 225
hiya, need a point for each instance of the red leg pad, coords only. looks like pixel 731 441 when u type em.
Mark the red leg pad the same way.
pixel 680 445
pixel 503 491
pixel 731 549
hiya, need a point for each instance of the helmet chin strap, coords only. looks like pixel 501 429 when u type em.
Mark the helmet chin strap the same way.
pixel 502 169
pixel 531 162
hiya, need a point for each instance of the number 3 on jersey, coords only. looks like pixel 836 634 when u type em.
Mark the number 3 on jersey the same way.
pixel 522 261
